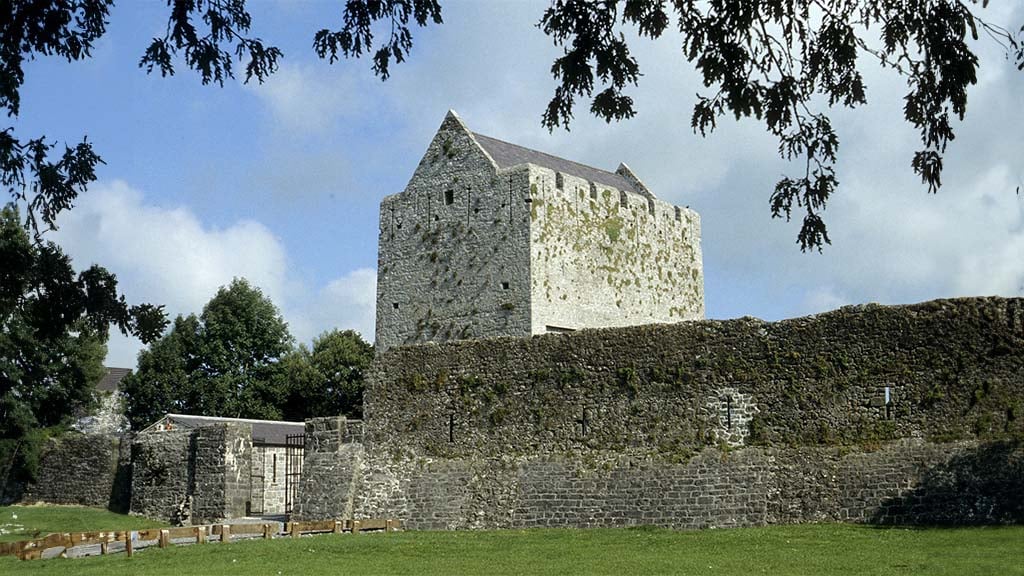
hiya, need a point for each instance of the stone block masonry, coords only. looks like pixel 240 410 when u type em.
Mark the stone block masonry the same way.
pixel 83 469
pixel 210 464
pixel 887 414
pixel 332 457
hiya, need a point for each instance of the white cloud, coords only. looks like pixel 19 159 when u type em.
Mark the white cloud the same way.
pixel 168 256
pixel 346 302
pixel 823 299
pixel 310 99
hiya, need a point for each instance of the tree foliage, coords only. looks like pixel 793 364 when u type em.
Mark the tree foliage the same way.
pixel 45 185
pixel 236 359
pixel 783 62
pixel 53 333
pixel 328 379
pixel 219 363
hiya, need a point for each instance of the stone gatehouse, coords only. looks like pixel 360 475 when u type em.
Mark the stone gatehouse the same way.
pixel 226 467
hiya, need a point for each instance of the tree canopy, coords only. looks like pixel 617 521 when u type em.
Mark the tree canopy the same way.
pixel 236 359
pixel 53 333
pixel 219 363
pixel 784 62
pixel 327 380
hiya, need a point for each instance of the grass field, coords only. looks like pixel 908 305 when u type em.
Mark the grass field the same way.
pixel 28 522
pixel 809 549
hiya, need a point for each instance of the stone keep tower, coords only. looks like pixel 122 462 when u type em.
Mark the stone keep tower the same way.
pixel 493 239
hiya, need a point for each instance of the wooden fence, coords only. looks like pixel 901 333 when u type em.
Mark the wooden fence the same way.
pixel 130 540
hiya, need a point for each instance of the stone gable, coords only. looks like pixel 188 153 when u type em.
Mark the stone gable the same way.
pixel 493 239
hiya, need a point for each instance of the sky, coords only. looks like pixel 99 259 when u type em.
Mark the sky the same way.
pixel 280 183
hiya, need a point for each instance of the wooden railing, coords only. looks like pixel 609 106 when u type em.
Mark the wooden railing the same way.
pixel 130 540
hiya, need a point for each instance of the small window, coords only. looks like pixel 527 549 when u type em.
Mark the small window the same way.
pixel 559 181
pixel 593 191
pixel 275 469
pixel 449 196
pixel 504 285
pixel 395 305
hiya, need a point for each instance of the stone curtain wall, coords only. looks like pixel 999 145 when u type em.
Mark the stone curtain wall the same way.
pixel 713 423
pixel 87 470
pixel 953 370
pixel 907 482
pixel 602 257
pixel 332 458
pixel 211 464
pixel 454 258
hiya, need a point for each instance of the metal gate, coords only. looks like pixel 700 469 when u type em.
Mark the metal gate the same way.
pixel 254 506
pixel 295 445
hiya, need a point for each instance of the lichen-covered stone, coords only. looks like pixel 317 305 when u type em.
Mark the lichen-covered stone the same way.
pixel 212 464
pixel 332 457
pixel 471 249
pixel 889 414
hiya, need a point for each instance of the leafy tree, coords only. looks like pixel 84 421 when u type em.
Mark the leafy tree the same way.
pixel 220 363
pixel 53 333
pixel 327 380
pixel 48 312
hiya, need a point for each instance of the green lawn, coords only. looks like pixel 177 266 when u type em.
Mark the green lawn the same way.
pixel 810 549
pixel 28 522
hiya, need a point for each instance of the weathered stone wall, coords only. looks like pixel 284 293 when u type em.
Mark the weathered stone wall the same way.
pixel 453 257
pixel 163 469
pixel 868 412
pixel 88 470
pixel 602 257
pixel 332 458
pixel 211 464
pixel 223 455
pixel 471 250
pixel 267 488
pixel 907 482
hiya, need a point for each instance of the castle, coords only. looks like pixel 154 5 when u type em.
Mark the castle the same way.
pixel 493 239
pixel 881 414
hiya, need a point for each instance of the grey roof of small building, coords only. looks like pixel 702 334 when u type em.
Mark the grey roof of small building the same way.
pixel 111 381
pixel 263 431
pixel 507 155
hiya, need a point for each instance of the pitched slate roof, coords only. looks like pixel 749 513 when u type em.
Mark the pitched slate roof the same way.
pixel 508 155
pixel 263 431
pixel 111 381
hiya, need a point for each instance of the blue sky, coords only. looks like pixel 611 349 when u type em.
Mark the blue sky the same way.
pixel 280 182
